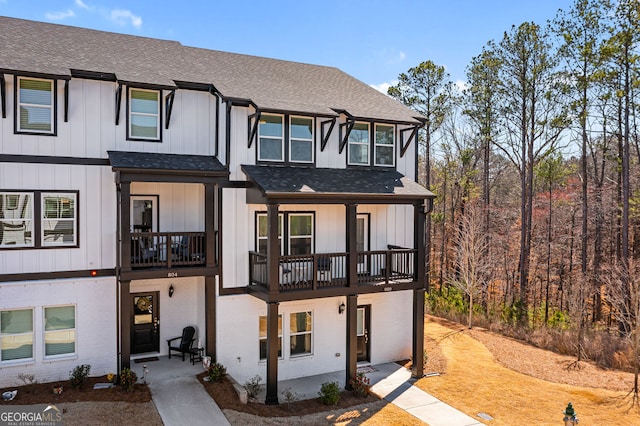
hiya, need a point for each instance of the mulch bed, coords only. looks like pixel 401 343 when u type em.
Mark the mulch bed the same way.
pixel 42 393
pixel 226 397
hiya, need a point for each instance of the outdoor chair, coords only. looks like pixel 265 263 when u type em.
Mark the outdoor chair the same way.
pixel 186 341
pixel 324 269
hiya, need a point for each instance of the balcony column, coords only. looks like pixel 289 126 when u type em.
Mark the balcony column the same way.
pixel 210 313
pixel 352 245
pixel 273 249
pixel 124 209
pixel 210 224
pixel 272 353
pixel 417 353
pixel 352 340
pixel 124 360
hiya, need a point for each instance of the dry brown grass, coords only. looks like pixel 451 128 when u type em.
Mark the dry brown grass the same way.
pixel 475 382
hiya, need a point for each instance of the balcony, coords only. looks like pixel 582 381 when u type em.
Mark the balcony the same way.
pixel 167 250
pixel 330 270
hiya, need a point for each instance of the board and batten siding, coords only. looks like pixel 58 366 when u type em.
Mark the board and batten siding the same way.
pixel 97 213
pixel 93 299
pixel 91 130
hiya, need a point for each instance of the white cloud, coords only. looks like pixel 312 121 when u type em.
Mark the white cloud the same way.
pixel 59 16
pixel 383 87
pixel 82 5
pixel 461 85
pixel 122 17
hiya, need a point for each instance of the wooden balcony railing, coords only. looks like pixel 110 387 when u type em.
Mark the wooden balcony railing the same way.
pixel 325 270
pixel 167 249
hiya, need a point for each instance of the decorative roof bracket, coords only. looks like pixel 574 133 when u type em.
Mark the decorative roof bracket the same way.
pixel 324 134
pixel 168 101
pixel 118 101
pixel 3 96
pixel 348 125
pixel 66 101
pixel 404 146
pixel 254 120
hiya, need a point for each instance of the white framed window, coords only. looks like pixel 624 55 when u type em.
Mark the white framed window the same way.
pixel 271 138
pixel 263 237
pixel 300 227
pixel 16 219
pixel 59 330
pixel 301 139
pixel 358 148
pixel 59 219
pixel 300 333
pixel 35 105
pixel 384 147
pixel 263 337
pixel 16 335
pixel 144 114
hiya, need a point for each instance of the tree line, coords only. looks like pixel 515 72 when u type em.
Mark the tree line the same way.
pixel 536 167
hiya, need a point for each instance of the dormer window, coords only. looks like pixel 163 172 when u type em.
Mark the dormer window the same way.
pixel 362 143
pixel 144 115
pixel 385 152
pixel 359 145
pixel 285 138
pixel 35 112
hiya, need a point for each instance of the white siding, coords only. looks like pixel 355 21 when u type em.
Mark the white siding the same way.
pixel 180 206
pixel 95 326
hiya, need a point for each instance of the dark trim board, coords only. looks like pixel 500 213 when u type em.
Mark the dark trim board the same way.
pixel 48 276
pixel 142 274
pixel 45 159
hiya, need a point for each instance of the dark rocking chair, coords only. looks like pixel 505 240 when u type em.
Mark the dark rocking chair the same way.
pixel 186 341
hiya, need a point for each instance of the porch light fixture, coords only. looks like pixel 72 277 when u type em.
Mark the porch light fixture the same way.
pixel 341 308
pixel 171 290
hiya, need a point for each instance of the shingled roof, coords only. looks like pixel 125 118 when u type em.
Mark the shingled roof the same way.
pixel 56 50
pixel 317 183
pixel 166 163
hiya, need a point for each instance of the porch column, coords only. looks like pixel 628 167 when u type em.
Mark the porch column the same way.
pixel 417 353
pixel 272 353
pixel 352 245
pixel 273 249
pixel 352 340
pixel 210 316
pixel 209 224
pixel 125 326
pixel 124 208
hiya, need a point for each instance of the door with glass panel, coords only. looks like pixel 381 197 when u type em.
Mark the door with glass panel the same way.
pixel 363 323
pixel 145 322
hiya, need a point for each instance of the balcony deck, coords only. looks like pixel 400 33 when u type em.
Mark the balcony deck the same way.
pixel 330 270
pixel 167 250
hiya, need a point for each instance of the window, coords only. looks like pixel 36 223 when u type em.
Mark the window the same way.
pixel 272 137
pixel 144 114
pixel 57 225
pixel 299 233
pixel 16 219
pixel 359 144
pixel 300 332
pixel 385 145
pixel 301 144
pixel 59 219
pixel 59 330
pixel 263 337
pixel 16 335
pixel 270 142
pixel 35 105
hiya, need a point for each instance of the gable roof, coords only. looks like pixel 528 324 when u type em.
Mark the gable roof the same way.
pixel 276 85
pixel 282 182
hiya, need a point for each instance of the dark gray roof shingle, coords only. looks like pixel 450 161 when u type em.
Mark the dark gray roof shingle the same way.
pixel 37 47
pixel 315 182
pixel 144 161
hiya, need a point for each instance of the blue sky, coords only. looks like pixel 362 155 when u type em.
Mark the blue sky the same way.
pixel 372 40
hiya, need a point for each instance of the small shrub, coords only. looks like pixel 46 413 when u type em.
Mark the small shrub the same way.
pixel 360 384
pixel 330 393
pixel 128 379
pixel 290 397
pixel 78 375
pixel 253 386
pixel 216 372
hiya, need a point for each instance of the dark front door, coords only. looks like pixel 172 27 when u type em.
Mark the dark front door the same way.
pixel 145 325
pixel 363 333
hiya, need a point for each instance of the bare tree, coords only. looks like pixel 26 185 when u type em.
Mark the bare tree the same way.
pixel 471 256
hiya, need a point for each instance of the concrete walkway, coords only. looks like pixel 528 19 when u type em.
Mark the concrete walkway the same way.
pixel 181 399
pixel 177 394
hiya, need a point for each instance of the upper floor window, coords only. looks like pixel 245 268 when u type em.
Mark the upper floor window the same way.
pixel 285 138
pixel 359 145
pixel 144 114
pixel 35 106
pixel 385 153
pixel 38 219
pixel 298 233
